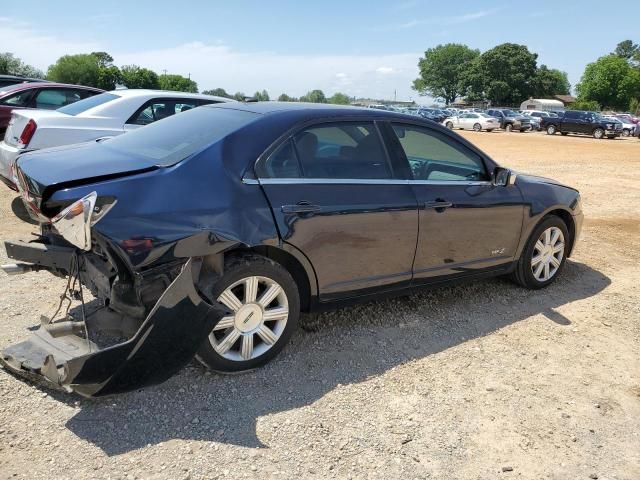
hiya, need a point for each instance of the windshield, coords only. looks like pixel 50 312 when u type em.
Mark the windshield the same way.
pixel 82 106
pixel 168 141
pixel 509 113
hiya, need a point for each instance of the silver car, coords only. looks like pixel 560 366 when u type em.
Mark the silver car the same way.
pixel 105 115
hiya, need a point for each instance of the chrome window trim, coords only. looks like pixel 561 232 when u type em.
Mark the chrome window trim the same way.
pixel 357 181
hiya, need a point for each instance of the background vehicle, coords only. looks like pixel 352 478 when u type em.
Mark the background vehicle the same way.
pixel 628 128
pixel 510 120
pixel 105 115
pixel 49 96
pixel 535 121
pixel 268 209
pixel 582 122
pixel 6 80
pixel 472 121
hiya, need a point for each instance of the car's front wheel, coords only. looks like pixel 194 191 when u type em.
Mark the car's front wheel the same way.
pixel 551 130
pixel 544 255
pixel 508 127
pixel 477 127
pixel 449 125
pixel 598 133
pixel 626 132
pixel 263 309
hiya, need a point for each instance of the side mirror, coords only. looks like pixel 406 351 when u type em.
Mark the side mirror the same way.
pixel 501 177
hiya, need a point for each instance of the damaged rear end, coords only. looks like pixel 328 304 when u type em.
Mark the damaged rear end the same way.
pixel 146 325
pixel 136 224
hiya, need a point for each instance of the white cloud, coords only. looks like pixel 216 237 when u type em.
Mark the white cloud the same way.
pixel 450 20
pixel 219 65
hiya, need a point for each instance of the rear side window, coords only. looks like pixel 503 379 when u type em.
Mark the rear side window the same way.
pixel 162 108
pixel 433 156
pixel 54 98
pixel 174 139
pixel 90 102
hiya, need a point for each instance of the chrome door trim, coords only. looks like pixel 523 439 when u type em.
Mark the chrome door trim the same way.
pixel 355 181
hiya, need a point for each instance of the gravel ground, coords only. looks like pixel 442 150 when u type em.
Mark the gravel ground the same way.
pixel 480 381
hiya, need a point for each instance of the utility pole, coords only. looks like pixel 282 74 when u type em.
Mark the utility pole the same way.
pixel 395 95
pixel 164 71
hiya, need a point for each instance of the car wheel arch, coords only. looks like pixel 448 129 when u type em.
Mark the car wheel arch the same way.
pixel 299 268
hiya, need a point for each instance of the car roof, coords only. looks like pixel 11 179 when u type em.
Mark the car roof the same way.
pixel 29 85
pixel 143 92
pixel 302 110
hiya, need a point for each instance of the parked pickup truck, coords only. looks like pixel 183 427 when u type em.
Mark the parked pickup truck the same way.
pixel 587 123
pixel 510 120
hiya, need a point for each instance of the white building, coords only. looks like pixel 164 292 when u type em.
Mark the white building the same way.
pixel 546 105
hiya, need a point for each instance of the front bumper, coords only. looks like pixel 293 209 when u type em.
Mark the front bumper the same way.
pixel 64 355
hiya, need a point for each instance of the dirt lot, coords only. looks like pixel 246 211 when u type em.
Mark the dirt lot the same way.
pixel 482 381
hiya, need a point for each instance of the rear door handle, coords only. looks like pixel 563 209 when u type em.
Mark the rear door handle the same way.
pixel 302 207
pixel 438 205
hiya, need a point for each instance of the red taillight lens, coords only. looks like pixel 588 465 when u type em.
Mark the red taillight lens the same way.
pixel 27 133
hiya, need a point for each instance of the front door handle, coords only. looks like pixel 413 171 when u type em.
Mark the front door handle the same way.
pixel 301 207
pixel 438 204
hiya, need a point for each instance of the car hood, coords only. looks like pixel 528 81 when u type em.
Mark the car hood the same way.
pixel 62 167
pixel 536 179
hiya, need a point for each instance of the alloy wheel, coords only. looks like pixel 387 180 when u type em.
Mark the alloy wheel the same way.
pixel 547 254
pixel 259 310
pixel 477 127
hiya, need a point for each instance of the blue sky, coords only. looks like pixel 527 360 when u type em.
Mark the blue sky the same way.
pixel 363 48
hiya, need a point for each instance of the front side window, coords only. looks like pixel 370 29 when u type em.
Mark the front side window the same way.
pixel 434 156
pixel 349 150
pixel 20 99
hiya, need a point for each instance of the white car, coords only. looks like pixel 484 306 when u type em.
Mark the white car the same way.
pixel 472 121
pixel 628 128
pixel 105 115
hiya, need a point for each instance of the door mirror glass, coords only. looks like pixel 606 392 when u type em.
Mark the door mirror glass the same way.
pixel 501 176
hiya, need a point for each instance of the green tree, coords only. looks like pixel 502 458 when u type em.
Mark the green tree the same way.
pixel 314 96
pixel 177 83
pixel 133 76
pixel 504 75
pixel 590 105
pixel 240 96
pixel 79 69
pixel 12 65
pixel 108 77
pixel 262 96
pixel 286 98
pixel 627 50
pixel 340 99
pixel 442 70
pixel 218 92
pixel 610 81
pixel 548 82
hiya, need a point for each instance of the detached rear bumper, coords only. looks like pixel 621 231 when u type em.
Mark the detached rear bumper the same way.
pixel 58 355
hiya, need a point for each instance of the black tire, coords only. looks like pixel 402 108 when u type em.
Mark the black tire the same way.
pixel 523 274
pixel 551 129
pixel 449 125
pixel 477 127
pixel 564 134
pixel 598 133
pixel 237 268
pixel 489 129
pixel 626 132
pixel 508 127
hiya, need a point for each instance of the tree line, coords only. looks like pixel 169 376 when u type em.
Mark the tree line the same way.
pixel 313 96
pixel 509 74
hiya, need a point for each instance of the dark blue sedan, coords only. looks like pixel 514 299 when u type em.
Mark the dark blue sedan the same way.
pixel 206 234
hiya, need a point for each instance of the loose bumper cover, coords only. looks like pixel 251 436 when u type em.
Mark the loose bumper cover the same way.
pixel 58 355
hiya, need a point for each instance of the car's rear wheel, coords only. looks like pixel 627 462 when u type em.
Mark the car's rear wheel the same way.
pixel 626 132
pixel 489 129
pixel 564 134
pixel 449 125
pixel 477 127
pixel 264 307
pixel 598 133
pixel 508 127
pixel 551 130
pixel 544 255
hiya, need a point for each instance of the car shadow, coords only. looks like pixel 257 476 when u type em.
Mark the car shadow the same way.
pixel 348 346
